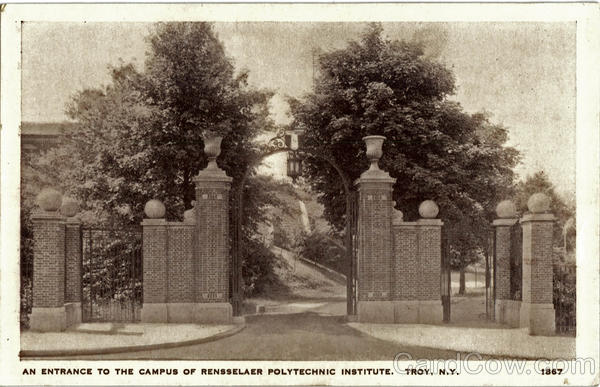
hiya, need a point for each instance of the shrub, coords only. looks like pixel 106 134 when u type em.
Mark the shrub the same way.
pixel 257 267
pixel 324 249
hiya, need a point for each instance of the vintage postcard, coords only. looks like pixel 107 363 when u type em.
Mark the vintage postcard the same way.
pixel 310 194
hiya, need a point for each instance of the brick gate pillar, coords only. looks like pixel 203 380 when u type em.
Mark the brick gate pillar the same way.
pixel 507 309
pixel 73 270
pixel 48 310
pixel 154 234
pixel 429 250
pixel 537 309
pixel 212 243
pixel 375 259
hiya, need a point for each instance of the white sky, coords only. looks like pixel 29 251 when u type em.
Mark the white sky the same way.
pixel 522 73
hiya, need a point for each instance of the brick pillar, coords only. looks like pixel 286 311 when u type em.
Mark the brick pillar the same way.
pixel 375 262
pixel 48 311
pixel 537 309
pixel 155 252
pixel 73 264
pixel 429 250
pixel 212 243
pixel 507 309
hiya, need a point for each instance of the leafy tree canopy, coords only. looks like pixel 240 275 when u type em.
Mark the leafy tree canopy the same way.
pixel 141 136
pixel 434 149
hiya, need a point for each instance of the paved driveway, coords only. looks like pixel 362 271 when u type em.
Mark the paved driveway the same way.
pixel 298 336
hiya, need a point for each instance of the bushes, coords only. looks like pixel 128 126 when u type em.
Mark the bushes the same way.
pixel 257 267
pixel 321 248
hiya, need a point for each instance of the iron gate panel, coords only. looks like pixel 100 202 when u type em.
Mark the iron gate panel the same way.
pixel 490 276
pixel 352 252
pixel 112 274
pixel 446 276
pixel 516 262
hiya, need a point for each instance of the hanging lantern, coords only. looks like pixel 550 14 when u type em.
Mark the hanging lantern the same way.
pixel 294 165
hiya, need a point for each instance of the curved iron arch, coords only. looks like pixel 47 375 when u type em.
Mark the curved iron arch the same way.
pixel 236 275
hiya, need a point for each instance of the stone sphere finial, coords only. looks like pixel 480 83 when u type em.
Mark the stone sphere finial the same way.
pixel 428 209
pixel 70 207
pixel 155 209
pixel 506 209
pixel 538 203
pixel 49 199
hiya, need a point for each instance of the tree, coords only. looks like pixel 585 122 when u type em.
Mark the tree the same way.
pixel 141 136
pixel 433 148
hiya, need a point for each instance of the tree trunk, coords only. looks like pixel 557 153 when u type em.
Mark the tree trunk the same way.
pixel 462 287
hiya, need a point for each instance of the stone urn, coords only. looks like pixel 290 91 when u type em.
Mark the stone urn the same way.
pixel 374 150
pixel 538 203
pixel 212 149
pixel 154 209
pixel 506 209
pixel 49 199
pixel 70 207
pixel 428 209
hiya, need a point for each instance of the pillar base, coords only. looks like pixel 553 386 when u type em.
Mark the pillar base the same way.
pixel 508 312
pixel 539 318
pixel 431 312
pixel 406 312
pixel 375 312
pixel 183 312
pixel 48 319
pixel 214 313
pixel 73 312
pixel 154 313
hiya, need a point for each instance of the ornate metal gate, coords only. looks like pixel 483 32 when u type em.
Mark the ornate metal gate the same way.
pixel 445 277
pixel 283 142
pixel 352 232
pixel 490 276
pixel 111 274
pixel 516 262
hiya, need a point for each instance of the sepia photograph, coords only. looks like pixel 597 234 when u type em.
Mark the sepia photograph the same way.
pixel 209 199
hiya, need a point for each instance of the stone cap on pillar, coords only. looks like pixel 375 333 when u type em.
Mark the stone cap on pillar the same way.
pixel 537 218
pixel 154 222
pixel 216 175
pixel 505 222
pixel 429 222
pixel 40 215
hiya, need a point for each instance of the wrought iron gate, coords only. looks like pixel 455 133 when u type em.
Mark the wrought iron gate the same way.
pixel 446 276
pixel 352 232
pixel 490 276
pixel 111 274
pixel 516 262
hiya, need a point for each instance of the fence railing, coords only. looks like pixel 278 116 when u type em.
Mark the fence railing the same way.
pixel 565 297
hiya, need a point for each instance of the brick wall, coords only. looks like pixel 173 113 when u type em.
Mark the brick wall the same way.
pixel 417 260
pixel 73 261
pixel 49 260
pixel 181 262
pixel 430 258
pixel 406 277
pixel 155 260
